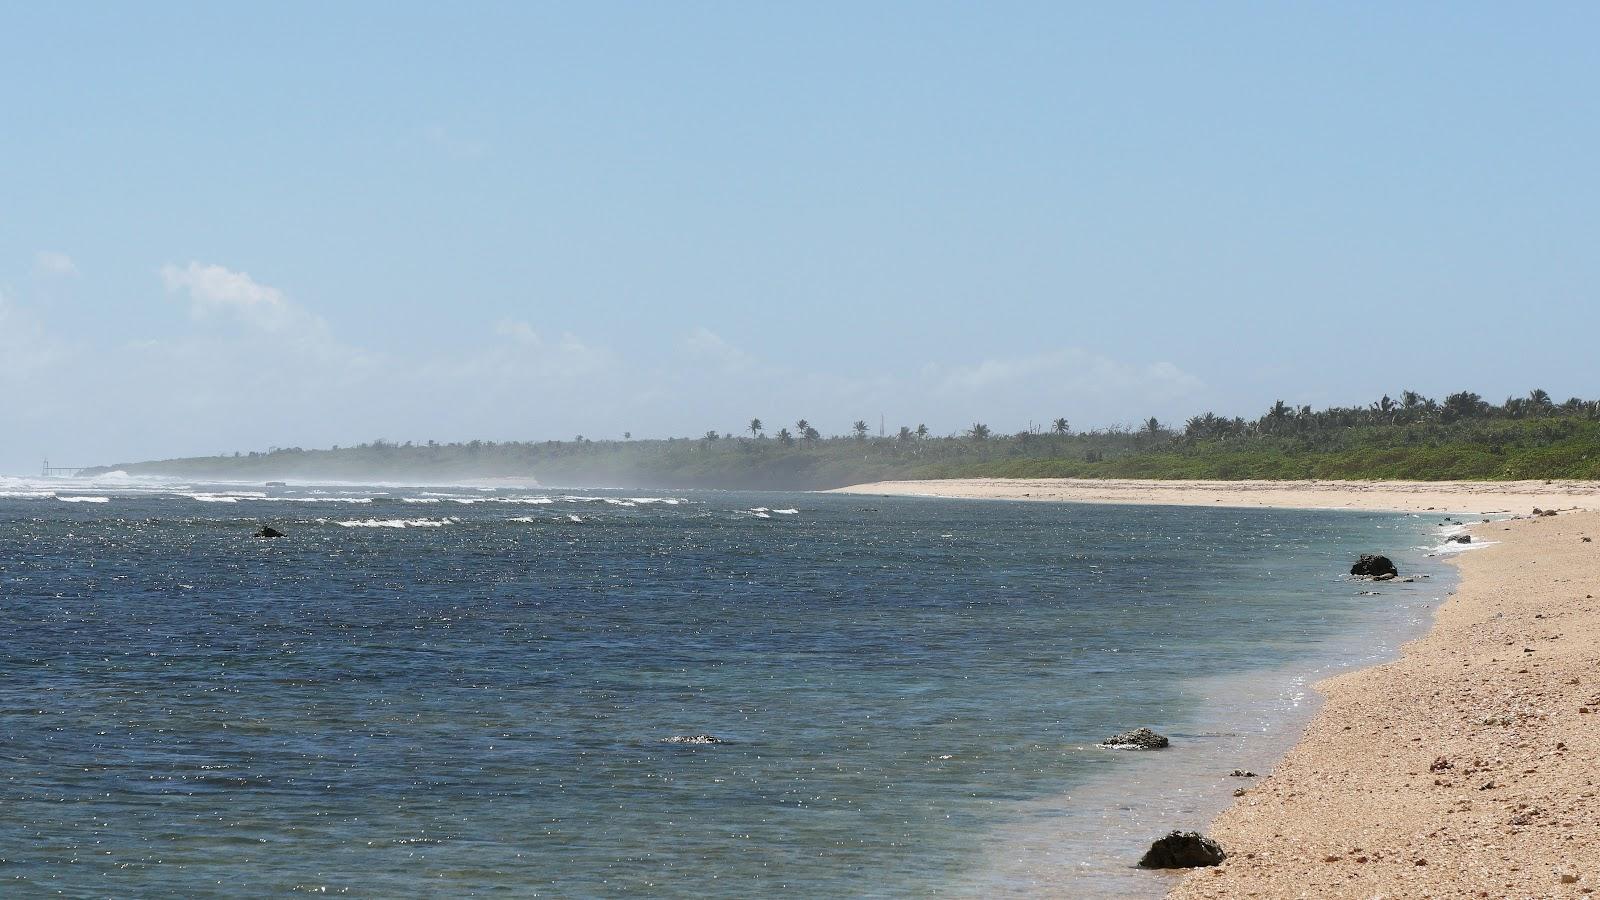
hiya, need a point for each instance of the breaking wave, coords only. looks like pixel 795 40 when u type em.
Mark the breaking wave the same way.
pixel 394 523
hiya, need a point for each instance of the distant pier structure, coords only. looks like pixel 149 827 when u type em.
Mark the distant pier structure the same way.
pixel 61 471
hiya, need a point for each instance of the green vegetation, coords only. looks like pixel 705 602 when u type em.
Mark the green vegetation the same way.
pixel 1414 437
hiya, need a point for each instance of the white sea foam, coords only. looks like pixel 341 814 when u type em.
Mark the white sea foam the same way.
pixel 80 498
pixel 572 518
pixel 313 499
pixel 419 499
pixel 786 512
pixel 395 523
pixel 1449 546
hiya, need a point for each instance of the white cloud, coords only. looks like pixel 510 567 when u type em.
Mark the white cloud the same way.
pixel 525 356
pixel 218 291
pixel 54 262
pixel 24 345
pixel 703 343
pixel 1070 372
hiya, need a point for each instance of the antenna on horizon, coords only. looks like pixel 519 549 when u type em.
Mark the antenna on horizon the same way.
pixel 880 424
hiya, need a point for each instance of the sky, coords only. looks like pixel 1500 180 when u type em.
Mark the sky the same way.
pixel 229 228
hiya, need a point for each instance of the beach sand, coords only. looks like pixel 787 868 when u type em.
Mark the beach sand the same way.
pixel 1406 496
pixel 1467 767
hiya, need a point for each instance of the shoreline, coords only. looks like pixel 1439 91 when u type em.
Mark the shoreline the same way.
pixel 1465 765
pixel 1474 497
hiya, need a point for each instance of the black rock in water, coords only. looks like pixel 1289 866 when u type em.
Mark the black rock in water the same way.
pixel 269 531
pixel 1137 739
pixel 1183 850
pixel 1458 539
pixel 1373 566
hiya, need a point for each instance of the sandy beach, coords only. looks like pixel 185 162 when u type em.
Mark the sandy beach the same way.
pixel 1477 497
pixel 1467 767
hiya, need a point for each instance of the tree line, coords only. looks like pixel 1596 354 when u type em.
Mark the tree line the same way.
pixel 1411 436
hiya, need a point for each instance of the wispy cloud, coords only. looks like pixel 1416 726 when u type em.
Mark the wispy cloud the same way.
pixel 705 344
pixel 25 347
pixel 54 262
pixel 215 290
pixel 1069 372
pixel 524 354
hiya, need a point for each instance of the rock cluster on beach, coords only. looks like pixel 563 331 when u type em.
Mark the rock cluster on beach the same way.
pixel 1137 739
pixel 1183 850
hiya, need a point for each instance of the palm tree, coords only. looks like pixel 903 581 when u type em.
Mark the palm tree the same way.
pixel 860 428
pixel 978 431
pixel 755 427
pixel 1059 426
pixel 1463 405
pixel 922 431
pixel 803 428
pixel 784 437
pixel 905 434
pixel 1152 426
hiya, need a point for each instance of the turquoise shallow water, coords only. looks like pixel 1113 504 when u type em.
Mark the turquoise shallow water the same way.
pixel 472 697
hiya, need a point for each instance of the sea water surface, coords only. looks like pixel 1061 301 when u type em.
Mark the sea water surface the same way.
pixel 460 691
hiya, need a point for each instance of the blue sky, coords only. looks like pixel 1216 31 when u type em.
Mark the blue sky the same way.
pixel 227 228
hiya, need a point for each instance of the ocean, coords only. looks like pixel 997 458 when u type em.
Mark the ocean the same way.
pixel 460 691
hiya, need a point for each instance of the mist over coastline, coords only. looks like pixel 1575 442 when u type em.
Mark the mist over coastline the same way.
pixel 1412 437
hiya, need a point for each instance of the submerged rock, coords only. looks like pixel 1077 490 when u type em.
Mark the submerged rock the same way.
pixel 1137 739
pixel 693 739
pixel 1183 850
pixel 1241 773
pixel 1458 539
pixel 1374 566
pixel 269 531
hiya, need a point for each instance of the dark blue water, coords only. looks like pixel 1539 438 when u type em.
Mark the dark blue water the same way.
pixel 456 698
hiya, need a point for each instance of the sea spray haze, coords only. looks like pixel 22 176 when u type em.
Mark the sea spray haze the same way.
pixel 461 691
